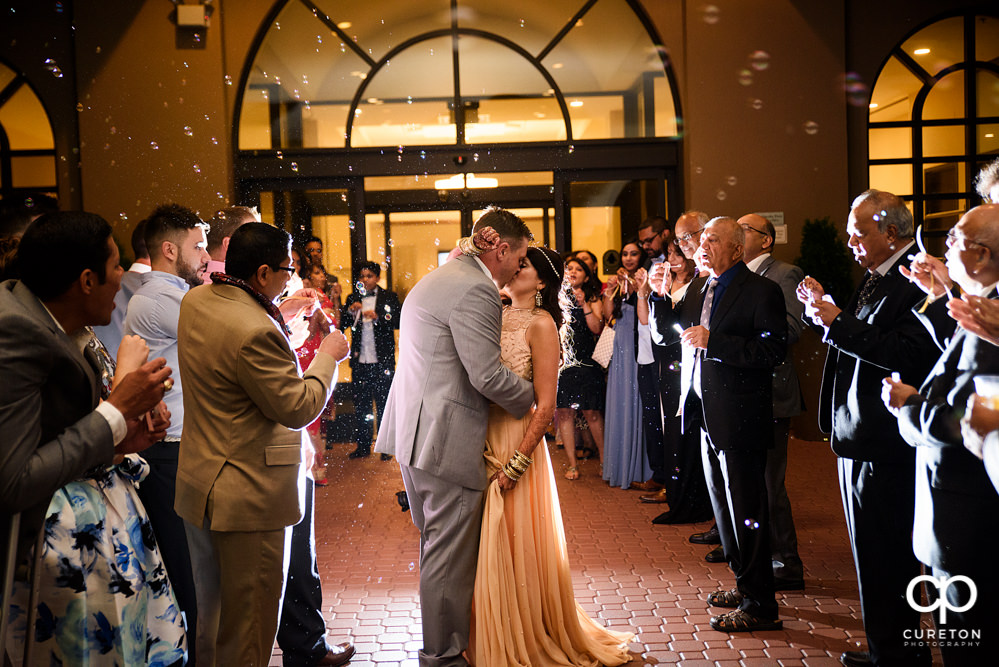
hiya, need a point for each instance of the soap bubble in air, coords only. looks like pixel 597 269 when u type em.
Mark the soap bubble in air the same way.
pixel 759 60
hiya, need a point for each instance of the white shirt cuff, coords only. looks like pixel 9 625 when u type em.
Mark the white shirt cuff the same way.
pixel 115 420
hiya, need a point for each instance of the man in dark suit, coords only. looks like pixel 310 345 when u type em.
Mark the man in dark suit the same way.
pixel 760 234
pixel 53 429
pixel 372 313
pixel 956 504
pixel 876 334
pixel 736 327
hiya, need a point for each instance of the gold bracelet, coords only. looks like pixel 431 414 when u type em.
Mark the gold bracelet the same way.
pixel 524 458
pixel 468 247
pixel 512 474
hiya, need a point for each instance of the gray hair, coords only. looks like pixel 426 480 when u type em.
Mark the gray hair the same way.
pixel 738 233
pixel 702 217
pixel 891 210
pixel 987 179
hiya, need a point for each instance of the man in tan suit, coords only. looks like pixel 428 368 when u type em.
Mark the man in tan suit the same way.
pixel 243 452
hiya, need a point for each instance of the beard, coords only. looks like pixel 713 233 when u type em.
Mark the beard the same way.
pixel 190 273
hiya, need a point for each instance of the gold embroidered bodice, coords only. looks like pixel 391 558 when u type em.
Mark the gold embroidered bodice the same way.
pixel 514 350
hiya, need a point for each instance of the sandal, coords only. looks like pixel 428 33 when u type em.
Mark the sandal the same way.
pixel 572 473
pixel 743 621
pixel 732 598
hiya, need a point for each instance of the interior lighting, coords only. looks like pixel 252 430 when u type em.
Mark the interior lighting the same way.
pixel 576 103
pixel 920 52
pixel 465 181
pixel 873 105
pixel 344 25
pixel 989 135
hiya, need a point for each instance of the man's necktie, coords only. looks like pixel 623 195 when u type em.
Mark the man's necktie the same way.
pixel 871 281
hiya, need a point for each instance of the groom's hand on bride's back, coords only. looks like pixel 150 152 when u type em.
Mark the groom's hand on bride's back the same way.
pixel 335 345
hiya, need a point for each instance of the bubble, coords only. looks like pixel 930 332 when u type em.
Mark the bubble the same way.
pixel 58 8
pixel 721 194
pixel 574 406
pixel 294 166
pixel 572 149
pixel 350 224
pixel 675 367
pixel 765 334
pixel 360 505
pixel 475 157
pixel 759 60
pixel 215 142
pixel 79 106
pixel 855 89
pixel 710 14
pixel 197 169
pixel 811 127
pixel 155 146
pixel 97 50
pixel 732 180
pixel 369 417
pixel 279 155
pixel 53 68
pixel 359 287
pixel 751 524
pixel 412 566
pixel 745 77
pixel 228 80
pixel 188 131
pixel 698 170
pixel 123 216
pixel 391 242
pixel 409 99
pixel 756 103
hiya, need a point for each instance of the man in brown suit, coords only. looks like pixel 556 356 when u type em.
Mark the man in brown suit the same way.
pixel 242 466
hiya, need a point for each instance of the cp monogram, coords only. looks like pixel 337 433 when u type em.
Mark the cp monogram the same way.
pixel 942 584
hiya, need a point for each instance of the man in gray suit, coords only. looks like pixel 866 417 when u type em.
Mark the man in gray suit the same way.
pixel 760 234
pixel 53 428
pixel 435 422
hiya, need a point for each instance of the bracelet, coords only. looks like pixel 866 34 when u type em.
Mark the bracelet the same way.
pixel 522 458
pixel 511 473
pixel 468 247
pixel 587 312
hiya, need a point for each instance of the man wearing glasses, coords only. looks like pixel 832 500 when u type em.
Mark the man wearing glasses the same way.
pixel 788 402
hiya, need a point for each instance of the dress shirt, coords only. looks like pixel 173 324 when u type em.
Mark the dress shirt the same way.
pixel 485 269
pixel 153 314
pixel 368 354
pixel 644 345
pixel 890 262
pixel 111 414
pixel 754 264
pixel 139 267
pixel 724 280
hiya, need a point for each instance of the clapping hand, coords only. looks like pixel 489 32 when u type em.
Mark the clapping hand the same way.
pixel 978 315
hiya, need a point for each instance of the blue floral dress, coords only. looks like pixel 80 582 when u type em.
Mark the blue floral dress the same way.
pixel 104 596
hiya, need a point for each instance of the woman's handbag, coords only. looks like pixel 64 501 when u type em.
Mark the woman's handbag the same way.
pixel 605 347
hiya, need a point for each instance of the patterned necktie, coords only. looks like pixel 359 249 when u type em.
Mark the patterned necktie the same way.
pixel 709 300
pixel 867 289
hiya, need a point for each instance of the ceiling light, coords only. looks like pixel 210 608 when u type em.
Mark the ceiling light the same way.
pixel 344 25
pixel 576 103
pixel 465 181
pixel 557 65
pixel 989 135
pixel 359 74
pixel 920 52
pixel 873 105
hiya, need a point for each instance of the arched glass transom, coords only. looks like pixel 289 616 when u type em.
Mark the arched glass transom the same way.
pixel 934 117
pixel 355 73
pixel 27 146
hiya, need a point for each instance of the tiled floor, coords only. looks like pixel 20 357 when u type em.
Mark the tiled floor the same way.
pixel 627 572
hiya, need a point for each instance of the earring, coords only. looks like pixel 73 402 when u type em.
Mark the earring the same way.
pixel 537 298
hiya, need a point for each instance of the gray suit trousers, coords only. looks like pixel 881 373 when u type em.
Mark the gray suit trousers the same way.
pixel 449 518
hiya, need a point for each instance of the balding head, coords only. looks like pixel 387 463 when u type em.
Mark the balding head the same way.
pixel 973 249
pixel 722 244
pixel 759 235
pixel 688 231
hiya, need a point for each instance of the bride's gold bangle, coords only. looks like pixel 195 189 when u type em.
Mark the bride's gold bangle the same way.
pixel 510 472
pixel 468 247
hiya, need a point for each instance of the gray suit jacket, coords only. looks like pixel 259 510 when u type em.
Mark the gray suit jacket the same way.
pixel 788 400
pixel 449 370
pixel 50 432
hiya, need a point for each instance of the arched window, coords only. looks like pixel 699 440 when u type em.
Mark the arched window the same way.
pixel 356 73
pixel 27 147
pixel 934 117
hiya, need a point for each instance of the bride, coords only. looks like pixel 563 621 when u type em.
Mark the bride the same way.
pixel 524 609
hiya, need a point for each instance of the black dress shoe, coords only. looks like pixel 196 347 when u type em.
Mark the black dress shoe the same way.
pixel 716 555
pixel 856 659
pixel 785 584
pixel 359 454
pixel 709 537
pixel 386 457
pixel 338 655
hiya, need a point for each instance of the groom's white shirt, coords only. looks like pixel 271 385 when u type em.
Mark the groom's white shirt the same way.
pixel 449 371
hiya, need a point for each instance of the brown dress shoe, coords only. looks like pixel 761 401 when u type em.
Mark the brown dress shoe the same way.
pixel 656 498
pixel 338 655
pixel 650 485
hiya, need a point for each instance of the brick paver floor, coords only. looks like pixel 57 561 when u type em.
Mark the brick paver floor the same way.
pixel 627 572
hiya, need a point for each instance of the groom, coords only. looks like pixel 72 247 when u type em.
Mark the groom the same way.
pixel 435 422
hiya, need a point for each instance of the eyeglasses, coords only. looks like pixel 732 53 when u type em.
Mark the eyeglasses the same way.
pixel 289 269
pixel 953 239
pixel 761 233
pixel 686 238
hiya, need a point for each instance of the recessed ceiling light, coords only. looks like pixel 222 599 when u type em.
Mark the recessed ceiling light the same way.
pixel 576 103
pixel 873 105
pixel 989 135
pixel 344 25
pixel 920 52
pixel 557 65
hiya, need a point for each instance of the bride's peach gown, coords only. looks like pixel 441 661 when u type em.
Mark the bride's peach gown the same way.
pixel 524 610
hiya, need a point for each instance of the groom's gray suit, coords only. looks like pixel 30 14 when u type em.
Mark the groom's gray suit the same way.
pixel 435 423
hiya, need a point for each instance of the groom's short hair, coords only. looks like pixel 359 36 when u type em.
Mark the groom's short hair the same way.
pixel 510 227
